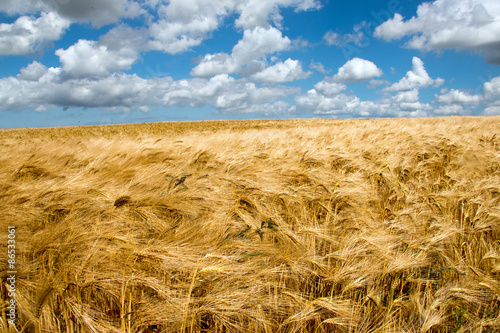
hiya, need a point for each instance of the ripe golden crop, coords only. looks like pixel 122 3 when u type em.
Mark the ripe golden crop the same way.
pixel 388 225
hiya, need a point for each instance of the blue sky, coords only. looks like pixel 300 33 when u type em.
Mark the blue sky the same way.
pixel 80 62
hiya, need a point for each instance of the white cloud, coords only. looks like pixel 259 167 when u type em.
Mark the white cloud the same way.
pixel 410 96
pixel 247 55
pixel 406 103
pixel 256 13
pixel 88 58
pixel 391 29
pixel 287 71
pixel 28 34
pixel 329 89
pixel 200 92
pixel 314 102
pixel 458 102
pixel 41 88
pixel 492 111
pixel 458 97
pixel 192 10
pixel 445 24
pixel 172 26
pixel 227 95
pixel 327 98
pixel 259 42
pixel 491 94
pixel 352 106
pixel 452 110
pixel 33 72
pixel 90 74
pixel 117 90
pixel 177 37
pixel 390 108
pixel 184 24
pixel 492 88
pixel 213 64
pixel 243 97
pixel 357 70
pixel 416 78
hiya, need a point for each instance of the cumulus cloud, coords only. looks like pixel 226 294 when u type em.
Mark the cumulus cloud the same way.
pixel 172 26
pixel 227 95
pixel 454 96
pixel 175 37
pixel 328 88
pixel 491 95
pixel 257 13
pixel 492 88
pixel 459 102
pixel 32 72
pixel 407 101
pixel 492 111
pixel 357 70
pixel 258 42
pixel 90 74
pixel 41 88
pixel 192 10
pixel 50 91
pixel 247 54
pixel 88 58
pixel 349 105
pixel 184 24
pixel 317 103
pixel 329 98
pixel 453 110
pixel 29 34
pixel 416 78
pixel 410 96
pixel 213 64
pixel 287 71
pixel 246 97
pixel 442 24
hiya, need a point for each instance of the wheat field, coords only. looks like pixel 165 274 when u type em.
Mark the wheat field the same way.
pixel 387 225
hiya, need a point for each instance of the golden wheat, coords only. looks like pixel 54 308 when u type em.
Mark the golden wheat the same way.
pixel 389 225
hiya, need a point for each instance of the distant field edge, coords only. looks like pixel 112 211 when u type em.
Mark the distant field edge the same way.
pixel 180 127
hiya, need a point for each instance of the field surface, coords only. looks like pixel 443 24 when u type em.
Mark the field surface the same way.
pixel 389 225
